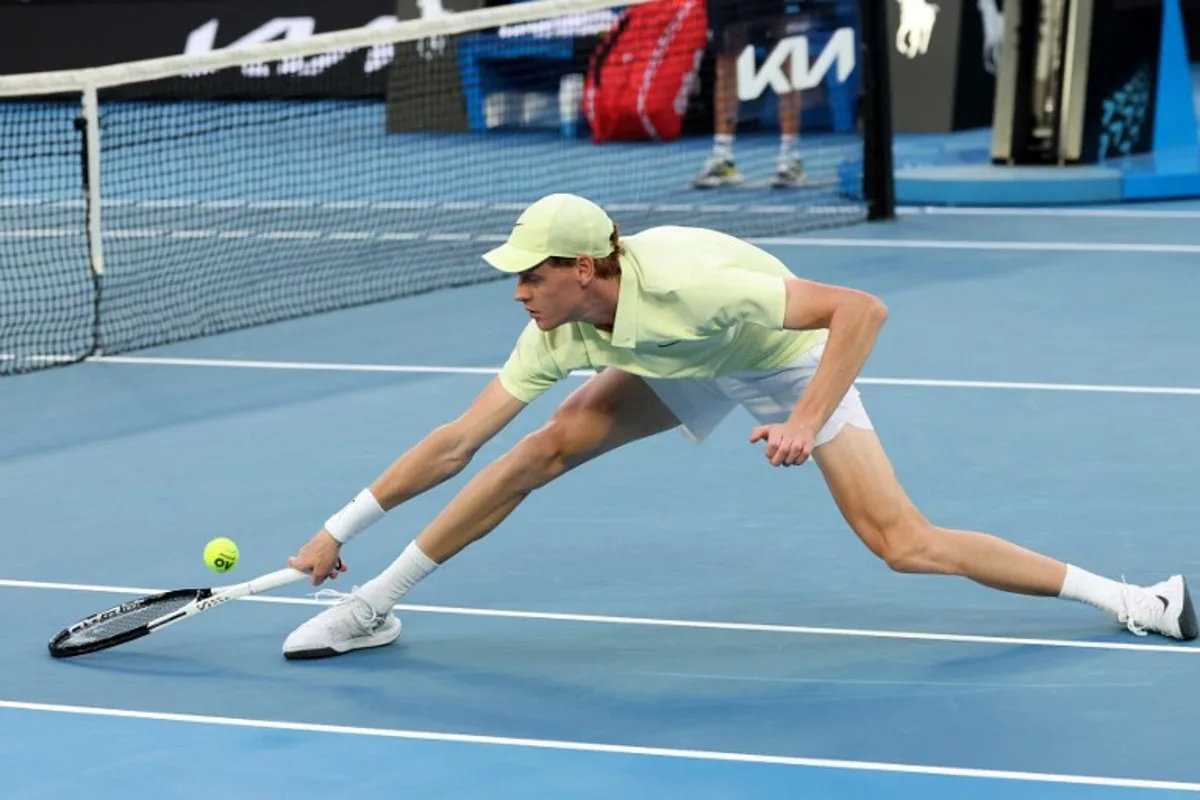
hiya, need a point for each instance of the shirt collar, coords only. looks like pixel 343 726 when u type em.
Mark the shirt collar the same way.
pixel 624 333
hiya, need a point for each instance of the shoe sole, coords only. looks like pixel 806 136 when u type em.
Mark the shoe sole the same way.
pixel 784 180
pixel 329 652
pixel 1188 628
pixel 309 655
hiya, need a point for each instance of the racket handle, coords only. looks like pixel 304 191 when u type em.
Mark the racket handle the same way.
pixel 273 580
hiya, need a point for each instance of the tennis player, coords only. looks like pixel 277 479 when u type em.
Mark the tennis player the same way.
pixel 683 324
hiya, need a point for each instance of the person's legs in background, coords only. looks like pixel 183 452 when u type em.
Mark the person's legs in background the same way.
pixel 734 26
pixel 729 36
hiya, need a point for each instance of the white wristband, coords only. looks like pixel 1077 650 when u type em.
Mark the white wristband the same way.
pixel 361 512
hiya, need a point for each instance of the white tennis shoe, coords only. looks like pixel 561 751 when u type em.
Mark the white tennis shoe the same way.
pixel 1164 608
pixel 351 624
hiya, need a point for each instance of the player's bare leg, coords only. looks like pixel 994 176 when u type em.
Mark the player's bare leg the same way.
pixel 864 486
pixel 612 409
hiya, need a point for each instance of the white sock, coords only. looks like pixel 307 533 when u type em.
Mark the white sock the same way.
pixel 385 590
pixel 723 147
pixel 1083 586
pixel 789 147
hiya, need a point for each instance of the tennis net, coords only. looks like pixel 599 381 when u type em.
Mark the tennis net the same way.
pixel 156 201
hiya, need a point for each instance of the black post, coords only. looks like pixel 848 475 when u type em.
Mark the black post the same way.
pixel 878 175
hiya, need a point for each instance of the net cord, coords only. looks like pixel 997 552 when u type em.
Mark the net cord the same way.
pixel 94 78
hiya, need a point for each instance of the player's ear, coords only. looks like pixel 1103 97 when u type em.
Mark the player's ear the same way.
pixel 585 269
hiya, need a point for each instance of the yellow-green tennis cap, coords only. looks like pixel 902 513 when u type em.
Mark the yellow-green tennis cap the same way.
pixel 561 225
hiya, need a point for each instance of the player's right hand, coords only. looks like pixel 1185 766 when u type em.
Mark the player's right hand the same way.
pixel 320 558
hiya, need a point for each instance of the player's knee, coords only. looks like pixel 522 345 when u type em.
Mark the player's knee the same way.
pixel 913 548
pixel 551 450
pixel 910 553
pixel 908 546
pixel 538 459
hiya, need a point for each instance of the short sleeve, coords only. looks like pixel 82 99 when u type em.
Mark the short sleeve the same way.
pixel 531 368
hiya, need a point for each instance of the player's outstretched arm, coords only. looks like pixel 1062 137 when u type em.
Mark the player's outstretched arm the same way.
pixel 447 449
pixel 441 455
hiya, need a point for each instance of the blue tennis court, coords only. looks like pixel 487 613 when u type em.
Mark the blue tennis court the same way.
pixel 666 621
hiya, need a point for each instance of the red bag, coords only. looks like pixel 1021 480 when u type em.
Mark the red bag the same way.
pixel 639 79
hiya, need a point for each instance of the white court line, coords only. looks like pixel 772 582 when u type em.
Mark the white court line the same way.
pixel 37 359
pixel 1078 213
pixel 703 676
pixel 293 365
pixel 1043 387
pixel 435 370
pixel 602 619
pixel 614 749
pixel 949 244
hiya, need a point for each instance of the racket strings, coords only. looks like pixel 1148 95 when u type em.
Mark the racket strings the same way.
pixel 123 619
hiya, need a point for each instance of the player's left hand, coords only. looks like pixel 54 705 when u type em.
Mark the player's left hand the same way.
pixel 789 444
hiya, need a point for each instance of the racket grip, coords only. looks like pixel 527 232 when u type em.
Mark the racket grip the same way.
pixel 273 580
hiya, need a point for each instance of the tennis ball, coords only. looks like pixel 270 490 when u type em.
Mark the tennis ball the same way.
pixel 221 554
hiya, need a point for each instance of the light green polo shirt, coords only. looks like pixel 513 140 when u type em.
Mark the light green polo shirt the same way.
pixel 693 303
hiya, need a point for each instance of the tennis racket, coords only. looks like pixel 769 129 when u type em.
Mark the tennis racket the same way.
pixel 150 614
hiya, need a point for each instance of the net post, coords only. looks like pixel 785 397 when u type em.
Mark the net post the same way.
pixel 878 177
pixel 91 177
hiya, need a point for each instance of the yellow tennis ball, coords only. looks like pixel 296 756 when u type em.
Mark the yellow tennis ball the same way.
pixel 221 555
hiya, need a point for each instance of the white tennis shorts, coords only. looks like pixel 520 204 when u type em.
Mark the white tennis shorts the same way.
pixel 700 404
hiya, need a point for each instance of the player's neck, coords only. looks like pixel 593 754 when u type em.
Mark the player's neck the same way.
pixel 600 305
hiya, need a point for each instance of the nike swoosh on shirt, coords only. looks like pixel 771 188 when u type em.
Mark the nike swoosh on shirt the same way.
pixel 669 344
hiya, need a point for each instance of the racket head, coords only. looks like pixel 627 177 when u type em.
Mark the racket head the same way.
pixel 121 623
